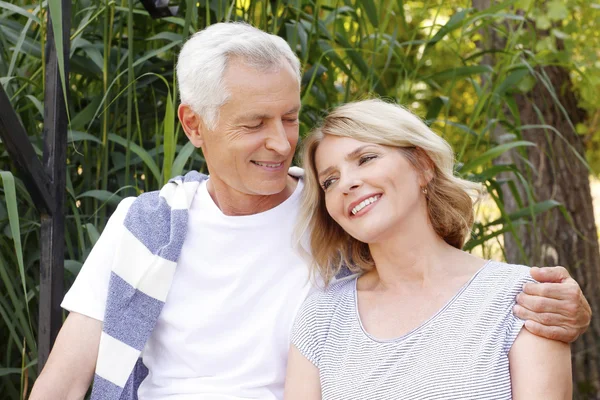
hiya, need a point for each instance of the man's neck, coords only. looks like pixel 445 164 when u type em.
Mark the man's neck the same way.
pixel 234 203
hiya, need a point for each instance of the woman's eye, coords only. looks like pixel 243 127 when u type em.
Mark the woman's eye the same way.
pixel 327 182
pixel 365 159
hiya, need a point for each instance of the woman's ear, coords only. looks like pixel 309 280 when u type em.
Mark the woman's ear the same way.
pixel 426 166
pixel 192 125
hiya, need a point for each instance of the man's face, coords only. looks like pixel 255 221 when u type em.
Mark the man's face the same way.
pixel 253 143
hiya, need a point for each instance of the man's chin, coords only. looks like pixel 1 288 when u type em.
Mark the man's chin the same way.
pixel 271 188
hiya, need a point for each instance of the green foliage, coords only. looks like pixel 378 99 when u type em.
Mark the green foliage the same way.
pixel 124 138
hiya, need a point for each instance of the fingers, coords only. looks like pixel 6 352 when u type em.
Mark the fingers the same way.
pixel 549 274
pixel 539 304
pixel 568 290
pixel 561 334
pixel 544 318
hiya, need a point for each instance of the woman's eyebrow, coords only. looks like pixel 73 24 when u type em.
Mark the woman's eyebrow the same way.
pixel 355 153
pixel 350 156
pixel 325 171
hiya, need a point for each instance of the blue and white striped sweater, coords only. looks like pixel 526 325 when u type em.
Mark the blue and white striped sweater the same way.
pixel 141 276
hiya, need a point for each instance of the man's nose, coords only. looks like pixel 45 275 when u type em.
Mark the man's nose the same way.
pixel 277 139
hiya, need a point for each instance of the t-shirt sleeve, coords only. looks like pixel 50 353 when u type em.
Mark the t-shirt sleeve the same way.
pixel 88 293
pixel 513 324
pixel 308 331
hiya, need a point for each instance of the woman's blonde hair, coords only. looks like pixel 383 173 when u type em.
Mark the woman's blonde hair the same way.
pixel 449 201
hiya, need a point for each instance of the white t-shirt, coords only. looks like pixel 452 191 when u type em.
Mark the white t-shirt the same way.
pixel 224 331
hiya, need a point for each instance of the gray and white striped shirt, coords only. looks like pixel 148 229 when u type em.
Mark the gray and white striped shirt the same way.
pixel 459 353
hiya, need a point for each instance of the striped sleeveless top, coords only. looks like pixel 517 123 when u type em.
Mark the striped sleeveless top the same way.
pixel 459 353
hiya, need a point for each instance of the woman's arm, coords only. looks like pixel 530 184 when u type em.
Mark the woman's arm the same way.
pixel 302 379
pixel 540 368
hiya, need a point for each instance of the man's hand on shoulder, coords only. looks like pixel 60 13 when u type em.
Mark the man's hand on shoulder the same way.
pixel 554 308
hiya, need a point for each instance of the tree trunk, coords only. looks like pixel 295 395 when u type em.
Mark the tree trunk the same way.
pixel 560 175
pixel 556 173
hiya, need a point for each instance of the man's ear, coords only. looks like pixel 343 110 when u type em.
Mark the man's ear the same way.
pixel 192 125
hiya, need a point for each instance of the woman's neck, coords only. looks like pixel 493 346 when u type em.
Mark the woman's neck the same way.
pixel 417 256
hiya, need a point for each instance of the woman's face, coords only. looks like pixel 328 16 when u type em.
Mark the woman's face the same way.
pixel 371 191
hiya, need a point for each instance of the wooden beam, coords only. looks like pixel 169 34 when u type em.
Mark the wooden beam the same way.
pixel 53 227
pixel 159 8
pixel 22 153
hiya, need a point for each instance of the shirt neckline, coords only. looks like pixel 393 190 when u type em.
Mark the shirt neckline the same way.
pixel 422 325
pixel 283 207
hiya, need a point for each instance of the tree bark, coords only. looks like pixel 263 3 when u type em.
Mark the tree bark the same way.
pixel 560 175
pixel 556 173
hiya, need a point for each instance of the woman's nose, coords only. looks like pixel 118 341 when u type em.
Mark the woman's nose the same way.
pixel 350 184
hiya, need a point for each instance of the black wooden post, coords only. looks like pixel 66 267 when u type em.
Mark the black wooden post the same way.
pixel 53 227
pixel 22 153
pixel 159 8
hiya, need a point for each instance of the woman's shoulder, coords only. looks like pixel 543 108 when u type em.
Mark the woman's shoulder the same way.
pixel 326 299
pixel 499 280
pixel 505 272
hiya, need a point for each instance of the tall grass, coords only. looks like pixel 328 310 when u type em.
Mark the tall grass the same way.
pixel 124 138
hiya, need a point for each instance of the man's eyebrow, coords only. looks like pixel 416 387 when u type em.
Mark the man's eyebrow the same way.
pixel 350 156
pixel 251 117
pixel 255 116
pixel 293 110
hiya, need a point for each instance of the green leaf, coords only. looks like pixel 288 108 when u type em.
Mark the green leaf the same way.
pixel 435 107
pixel 93 233
pixel 371 11
pixel 529 211
pixel 38 105
pixel 20 11
pixel 73 266
pixel 28 47
pixel 140 152
pixel 76 136
pixel 85 116
pixel 460 72
pixel 330 53
pixel 453 23
pixel 493 153
pixel 542 22
pixel 512 80
pixel 557 10
pixel 103 195
pixel 10 196
pixel 9 371
pixel 170 36
pixel 55 9
pixel 182 158
pixel 169 140
pixel 18 46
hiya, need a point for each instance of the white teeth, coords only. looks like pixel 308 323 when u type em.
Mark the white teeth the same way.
pixel 365 203
pixel 268 165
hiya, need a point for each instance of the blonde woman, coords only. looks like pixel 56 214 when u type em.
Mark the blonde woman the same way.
pixel 420 318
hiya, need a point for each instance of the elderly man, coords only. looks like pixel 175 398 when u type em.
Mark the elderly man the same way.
pixel 190 292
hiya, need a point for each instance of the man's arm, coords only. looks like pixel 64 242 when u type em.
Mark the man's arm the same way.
pixel 555 308
pixel 540 369
pixel 70 368
pixel 302 378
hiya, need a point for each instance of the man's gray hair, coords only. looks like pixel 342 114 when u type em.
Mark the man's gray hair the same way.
pixel 204 57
